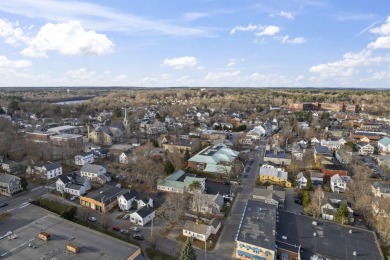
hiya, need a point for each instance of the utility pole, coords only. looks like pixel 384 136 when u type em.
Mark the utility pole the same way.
pixel 205 252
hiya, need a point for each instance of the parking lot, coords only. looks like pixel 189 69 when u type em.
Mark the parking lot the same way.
pixel 290 204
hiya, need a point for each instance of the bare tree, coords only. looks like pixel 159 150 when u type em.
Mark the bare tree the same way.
pixel 316 201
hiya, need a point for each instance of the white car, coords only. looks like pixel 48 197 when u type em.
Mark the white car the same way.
pixel 126 216
pixel 135 229
pixel 92 219
pixel 74 197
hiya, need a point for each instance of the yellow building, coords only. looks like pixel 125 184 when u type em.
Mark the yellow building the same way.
pixel 274 175
pixel 102 200
pixel 256 235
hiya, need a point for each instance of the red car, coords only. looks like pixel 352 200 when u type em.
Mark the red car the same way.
pixel 116 228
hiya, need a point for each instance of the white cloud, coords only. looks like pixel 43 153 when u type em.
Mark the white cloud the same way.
pixel 384 29
pixel 195 16
pixel 181 62
pixel 284 14
pixel 120 78
pixel 250 27
pixel 97 17
pixel 5 63
pixel 67 38
pixel 268 30
pixel 80 74
pixel 218 76
pixel 380 43
pixel 231 62
pixel 12 33
pixel 296 40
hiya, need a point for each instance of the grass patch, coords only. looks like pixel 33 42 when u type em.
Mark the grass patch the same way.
pixel 157 255
pixel 65 211
pixel 5 216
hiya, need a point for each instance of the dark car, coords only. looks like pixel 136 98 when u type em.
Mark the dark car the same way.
pixel 116 228
pixel 246 176
pixel 248 169
pixel 3 204
pixel 298 201
pixel 138 236
pixel 226 183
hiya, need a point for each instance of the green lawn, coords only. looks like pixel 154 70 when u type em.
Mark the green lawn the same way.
pixel 157 255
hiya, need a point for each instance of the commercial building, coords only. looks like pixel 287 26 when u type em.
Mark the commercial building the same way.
pixel 102 200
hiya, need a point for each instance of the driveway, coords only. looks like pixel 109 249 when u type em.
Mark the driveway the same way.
pixel 290 205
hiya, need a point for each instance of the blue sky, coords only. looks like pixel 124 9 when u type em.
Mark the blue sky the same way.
pixel 204 43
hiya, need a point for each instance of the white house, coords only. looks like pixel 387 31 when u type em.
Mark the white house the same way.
pixel 125 200
pixel 332 145
pixel 303 125
pixel 51 170
pixel 339 183
pixel 384 145
pixel 380 189
pixel 124 157
pixel 142 216
pixel 314 142
pixel 365 148
pixel 316 179
pixel 84 158
pixel 95 173
pixel 199 231
pixel 73 184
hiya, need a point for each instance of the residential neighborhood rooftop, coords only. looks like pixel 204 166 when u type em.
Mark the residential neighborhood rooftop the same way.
pixel 325 239
pixel 258 225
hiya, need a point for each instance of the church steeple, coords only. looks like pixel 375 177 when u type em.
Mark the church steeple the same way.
pixel 126 120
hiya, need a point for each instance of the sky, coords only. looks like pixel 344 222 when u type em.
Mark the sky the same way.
pixel 203 43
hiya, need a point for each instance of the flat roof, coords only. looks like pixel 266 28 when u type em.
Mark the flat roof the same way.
pixel 257 225
pixel 93 244
pixel 332 240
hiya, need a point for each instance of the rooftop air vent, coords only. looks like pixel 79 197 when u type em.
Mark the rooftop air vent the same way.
pixel 350 231
pixel 315 234
pixel 284 237
pixel 354 253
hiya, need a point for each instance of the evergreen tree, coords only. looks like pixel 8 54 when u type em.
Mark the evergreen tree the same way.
pixel 305 199
pixel 23 182
pixel 342 213
pixel 169 167
pixel 187 155
pixel 309 184
pixel 187 252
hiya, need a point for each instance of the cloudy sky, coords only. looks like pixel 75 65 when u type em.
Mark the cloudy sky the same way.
pixel 204 43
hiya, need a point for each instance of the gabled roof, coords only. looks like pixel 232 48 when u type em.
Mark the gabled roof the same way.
pixel 94 168
pixel 215 154
pixel 144 211
pixel 322 150
pixel 7 178
pixel 52 166
pixel 196 228
pixel 130 195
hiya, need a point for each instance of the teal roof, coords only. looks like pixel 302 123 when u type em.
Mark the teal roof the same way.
pixel 172 180
pixel 384 141
pixel 215 154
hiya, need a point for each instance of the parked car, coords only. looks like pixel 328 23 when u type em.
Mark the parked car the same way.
pixel 116 228
pixel 135 229
pixel 246 176
pixel 138 236
pixel 298 201
pixel 92 219
pixel 74 197
pixel 248 169
pixel 126 216
pixel 124 231
pixel 3 204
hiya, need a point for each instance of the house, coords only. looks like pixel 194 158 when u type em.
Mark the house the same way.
pixel 322 155
pixel 297 152
pixel 95 173
pixel 73 184
pixel 384 145
pixel 207 203
pixel 339 183
pixel 314 142
pixel 182 145
pixel 255 134
pixel 84 158
pixel 101 200
pixel 380 189
pixel 303 125
pixel 330 170
pixel 101 153
pixel 270 196
pixel 332 145
pixel 10 166
pixel 126 201
pixel 344 156
pixel 142 216
pixel 363 136
pixel 9 184
pixel 330 205
pixel 316 179
pixel 179 182
pixel 197 230
pixel 124 158
pixel 213 159
pixel 274 175
pixel 107 135
pixel 277 157
pixel 65 129
pixel 365 148
pixel 381 207
pixel 51 170
pixel 255 238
